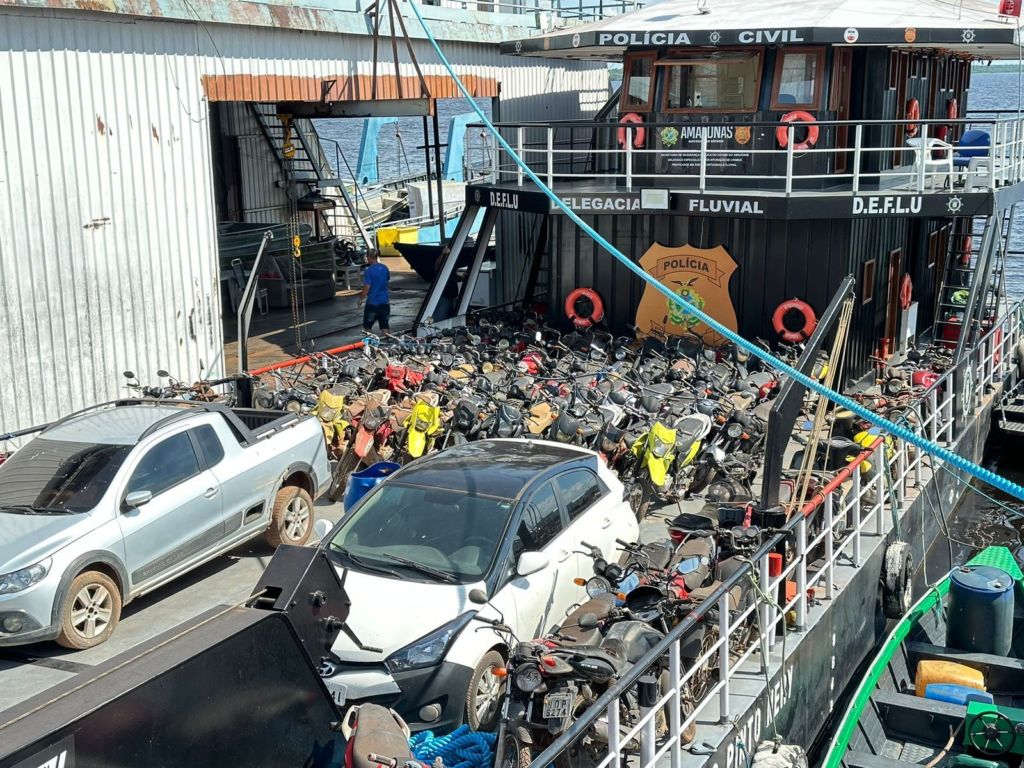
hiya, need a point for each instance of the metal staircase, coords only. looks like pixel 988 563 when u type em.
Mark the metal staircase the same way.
pixel 973 283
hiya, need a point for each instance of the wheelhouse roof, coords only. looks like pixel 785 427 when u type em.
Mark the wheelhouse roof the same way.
pixel 970 27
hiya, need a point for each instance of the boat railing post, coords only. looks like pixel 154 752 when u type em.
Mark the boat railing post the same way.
pixel 551 156
pixel 922 155
pixel 917 454
pixel 901 473
pixel 858 135
pixel 723 657
pixel 703 159
pixel 880 460
pixel 992 155
pixel 790 132
pixel 858 499
pixel 801 571
pixel 830 554
pixel 764 607
pixel 629 156
pixel 933 418
pixel 613 732
pixel 675 702
pixel 520 132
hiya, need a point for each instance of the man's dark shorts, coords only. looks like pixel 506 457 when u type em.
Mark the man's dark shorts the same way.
pixel 377 313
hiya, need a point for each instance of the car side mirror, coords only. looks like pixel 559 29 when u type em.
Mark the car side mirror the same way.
pixel 477 596
pixel 587 621
pixel 531 562
pixel 322 528
pixel 137 499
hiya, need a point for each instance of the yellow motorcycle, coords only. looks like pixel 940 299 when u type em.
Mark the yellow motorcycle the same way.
pixel 330 410
pixel 422 427
pixel 663 460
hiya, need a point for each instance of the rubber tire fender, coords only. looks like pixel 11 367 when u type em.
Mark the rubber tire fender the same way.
pixel 897 580
pixel 768 755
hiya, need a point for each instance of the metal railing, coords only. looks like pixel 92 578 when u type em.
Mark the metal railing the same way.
pixel 568 10
pixel 847 156
pixel 832 531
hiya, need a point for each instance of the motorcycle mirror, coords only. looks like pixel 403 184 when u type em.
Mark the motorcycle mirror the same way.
pixel 587 621
pixel 129 375
pixel 322 528
pixel 476 596
pixel 163 374
pixel 538 336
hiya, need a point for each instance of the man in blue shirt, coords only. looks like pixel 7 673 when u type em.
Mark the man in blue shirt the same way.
pixel 375 294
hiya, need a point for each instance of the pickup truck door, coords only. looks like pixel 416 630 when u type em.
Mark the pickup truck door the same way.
pixel 182 519
pixel 247 476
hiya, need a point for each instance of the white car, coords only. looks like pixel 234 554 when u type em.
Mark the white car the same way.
pixel 503 516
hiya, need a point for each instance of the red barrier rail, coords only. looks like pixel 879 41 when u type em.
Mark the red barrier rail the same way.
pixel 305 359
pixel 841 477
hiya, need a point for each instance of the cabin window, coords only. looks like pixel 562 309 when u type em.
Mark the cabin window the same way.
pixel 867 289
pixel 638 82
pixel 723 81
pixel 798 78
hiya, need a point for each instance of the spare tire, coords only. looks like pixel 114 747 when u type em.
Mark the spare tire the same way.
pixel 772 755
pixel 897 580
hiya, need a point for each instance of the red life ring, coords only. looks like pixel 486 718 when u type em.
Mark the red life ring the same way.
pixel 639 134
pixel 913 115
pixel 782 132
pixel 584 316
pixel 952 109
pixel 794 305
pixel 965 253
pixel 906 292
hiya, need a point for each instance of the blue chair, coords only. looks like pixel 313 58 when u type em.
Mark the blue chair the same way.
pixel 972 144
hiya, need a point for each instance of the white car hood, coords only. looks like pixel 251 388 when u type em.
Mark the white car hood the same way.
pixel 391 613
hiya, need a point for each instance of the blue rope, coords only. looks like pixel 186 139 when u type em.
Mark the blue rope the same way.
pixel 462 748
pixel 985 475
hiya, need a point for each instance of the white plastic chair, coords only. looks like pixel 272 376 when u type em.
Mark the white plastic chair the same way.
pixel 933 166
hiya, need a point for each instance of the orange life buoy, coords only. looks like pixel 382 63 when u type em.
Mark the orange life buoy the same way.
pixel 906 292
pixel 913 115
pixel 782 132
pixel 581 315
pixel 794 305
pixel 639 133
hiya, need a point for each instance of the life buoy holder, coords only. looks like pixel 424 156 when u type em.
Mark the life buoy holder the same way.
pixel 913 115
pixel 584 307
pixel 639 133
pixel 794 305
pixel 906 292
pixel 799 116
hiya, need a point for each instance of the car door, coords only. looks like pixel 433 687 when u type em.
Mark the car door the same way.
pixel 589 508
pixel 246 477
pixel 183 517
pixel 541 599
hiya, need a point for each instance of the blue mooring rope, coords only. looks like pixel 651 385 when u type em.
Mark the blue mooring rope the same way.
pixel 462 748
pixel 979 472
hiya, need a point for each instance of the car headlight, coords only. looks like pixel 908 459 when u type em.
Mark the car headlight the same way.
pixel 597 586
pixel 429 649
pixel 528 678
pixel 23 579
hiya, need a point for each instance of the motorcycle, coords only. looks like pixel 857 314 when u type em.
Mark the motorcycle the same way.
pixel 421 427
pixel 659 453
pixel 330 410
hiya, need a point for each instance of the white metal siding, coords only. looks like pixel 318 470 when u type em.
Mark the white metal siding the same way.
pixel 107 223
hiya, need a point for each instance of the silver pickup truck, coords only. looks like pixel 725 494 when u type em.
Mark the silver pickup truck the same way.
pixel 110 503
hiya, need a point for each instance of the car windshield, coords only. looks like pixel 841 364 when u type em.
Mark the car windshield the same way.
pixel 454 534
pixel 57 475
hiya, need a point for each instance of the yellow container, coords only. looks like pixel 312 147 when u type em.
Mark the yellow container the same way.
pixel 935 671
pixel 388 236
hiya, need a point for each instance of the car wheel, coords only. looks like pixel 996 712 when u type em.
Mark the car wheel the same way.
pixel 292 519
pixel 483 699
pixel 90 611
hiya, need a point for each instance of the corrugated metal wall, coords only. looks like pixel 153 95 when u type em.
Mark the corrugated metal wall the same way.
pixel 107 223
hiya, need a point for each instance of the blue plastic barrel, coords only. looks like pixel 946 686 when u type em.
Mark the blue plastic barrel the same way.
pixel 980 617
pixel 956 694
pixel 360 483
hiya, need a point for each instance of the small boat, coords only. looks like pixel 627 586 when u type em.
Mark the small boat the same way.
pixel 947 686
pixel 423 258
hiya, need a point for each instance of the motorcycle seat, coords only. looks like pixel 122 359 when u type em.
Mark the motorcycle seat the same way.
pixel 379 731
pixel 701 594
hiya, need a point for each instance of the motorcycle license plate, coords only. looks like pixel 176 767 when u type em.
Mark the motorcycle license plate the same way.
pixel 339 692
pixel 557 705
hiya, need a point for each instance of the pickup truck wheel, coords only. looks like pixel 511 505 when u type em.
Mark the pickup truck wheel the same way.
pixel 292 519
pixel 90 612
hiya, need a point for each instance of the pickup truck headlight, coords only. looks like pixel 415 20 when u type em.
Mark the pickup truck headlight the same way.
pixel 429 649
pixel 23 579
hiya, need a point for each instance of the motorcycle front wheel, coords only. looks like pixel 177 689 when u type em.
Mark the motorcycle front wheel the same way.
pixel 640 498
pixel 513 752
pixel 346 464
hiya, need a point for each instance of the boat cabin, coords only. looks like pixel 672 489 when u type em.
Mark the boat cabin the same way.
pixel 745 164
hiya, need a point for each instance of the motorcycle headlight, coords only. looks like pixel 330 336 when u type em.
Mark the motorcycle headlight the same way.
pixel 429 649
pixel 422 426
pixel 293 406
pixel 597 586
pixel 528 679
pixel 734 430
pixel 660 448
pixel 16 581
